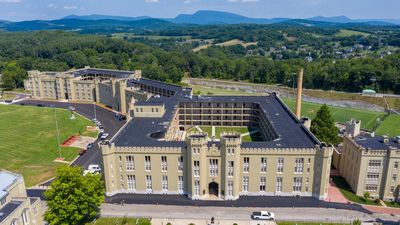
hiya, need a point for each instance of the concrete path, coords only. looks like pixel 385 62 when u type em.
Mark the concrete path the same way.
pixel 192 213
pixel 248 133
pixel 157 221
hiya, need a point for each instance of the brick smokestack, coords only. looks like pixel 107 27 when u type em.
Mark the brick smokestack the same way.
pixel 299 92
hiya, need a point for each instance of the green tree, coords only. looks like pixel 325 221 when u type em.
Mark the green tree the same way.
pixel 72 197
pixel 13 76
pixel 323 126
pixel 357 222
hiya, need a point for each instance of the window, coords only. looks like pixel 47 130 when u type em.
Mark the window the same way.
pixel 130 163
pixel 391 189
pixel 396 165
pixel 196 188
pixel 297 184
pixel 263 181
pixel 230 188
pixel 246 161
pixel 263 165
pixel 180 183
pixel 298 165
pixel 180 163
pixel 230 168
pixel 245 184
pixel 24 217
pixel 164 183
pixel 280 165
pixel 371 187
pixel 149 185
pixel 372 178
pixel 131 182
pixel 374 165
pixel 147 163
pixel 196 151
pixel 279 181
pixel 394 177
pixel 164 163
pixel 196 168
pixel 231 151
pixel 309 160
pixel 2 201
pixel 213 167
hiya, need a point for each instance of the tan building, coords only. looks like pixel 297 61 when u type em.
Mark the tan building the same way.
pixel 75 85
pixel 154 153
pixel 15 207
pixel 370 163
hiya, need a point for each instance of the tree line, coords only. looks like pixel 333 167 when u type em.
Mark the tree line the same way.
pixel 60 51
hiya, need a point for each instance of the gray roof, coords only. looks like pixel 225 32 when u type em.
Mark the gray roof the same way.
pixel 291 133
pixel 6 179
pixel 8 208
pixel 376 143
pixel 115 73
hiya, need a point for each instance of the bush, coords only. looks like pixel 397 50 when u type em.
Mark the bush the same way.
pixel 367 195
pixel 169 223
pixel 357 222
pixel 377 201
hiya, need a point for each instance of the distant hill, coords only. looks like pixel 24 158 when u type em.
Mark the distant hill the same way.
pixel 105 17
pixel 89 25
pixel 204 17
pixel 346 20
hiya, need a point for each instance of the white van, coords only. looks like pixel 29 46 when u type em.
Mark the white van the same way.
pixel 263 215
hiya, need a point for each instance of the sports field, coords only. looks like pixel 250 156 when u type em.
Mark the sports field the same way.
pixel 28 141
pixel 340 114
pixel 390 126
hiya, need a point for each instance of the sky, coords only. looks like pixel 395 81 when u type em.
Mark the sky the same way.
pixel 18 10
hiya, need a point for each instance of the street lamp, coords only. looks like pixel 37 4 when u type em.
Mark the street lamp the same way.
pixel 58 133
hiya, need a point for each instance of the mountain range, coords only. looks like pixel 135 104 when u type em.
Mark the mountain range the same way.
pixel 106 23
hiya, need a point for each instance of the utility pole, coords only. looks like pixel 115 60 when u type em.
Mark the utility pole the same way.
pixel 58 133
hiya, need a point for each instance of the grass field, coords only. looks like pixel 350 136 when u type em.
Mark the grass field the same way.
pixel 28 141
pixel 256 136
pixel 390 126
pixel 226 43
pixel 121 221
pixel 348 33
pixel 368 118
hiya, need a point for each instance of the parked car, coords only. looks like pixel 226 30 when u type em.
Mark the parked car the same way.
pixel 263 215
pixel 8 101
pixel 89 146
pixel 94 120
pixel 93 169
pixel 101 130
pixel 104 136
pixel 71 108
pixel 21 103
pixel 98 123
pixel 82 152
pixel 40 105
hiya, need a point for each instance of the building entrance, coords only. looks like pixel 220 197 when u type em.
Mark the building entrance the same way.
pixel 213 188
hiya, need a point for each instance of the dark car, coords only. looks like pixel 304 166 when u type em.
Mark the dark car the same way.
pixel 22 103
pixel 82 152
pixel 40 105
pixel 89 146
pixel 8 101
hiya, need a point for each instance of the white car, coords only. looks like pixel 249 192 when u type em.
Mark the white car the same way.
pixel 104 136
pixel 93 169
pixel 71 108
pixel 263 215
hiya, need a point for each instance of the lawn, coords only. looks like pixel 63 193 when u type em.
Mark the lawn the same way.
pixel 256 136
pixel 309 223
pixel 392 204
pixel 28 141
pixel 341 183
pixel 348 33
pixel 340 114
pixel 121 221
pixel 390 126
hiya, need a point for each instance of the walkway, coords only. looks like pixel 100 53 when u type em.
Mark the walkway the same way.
pixel 334 194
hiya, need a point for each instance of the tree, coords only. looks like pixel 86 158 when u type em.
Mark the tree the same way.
pixel 73 198
pixel 13 76
pixel 323 126
pixel 367 195
pixel 357 222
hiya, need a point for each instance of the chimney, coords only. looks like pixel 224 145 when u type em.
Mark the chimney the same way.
pixel 385 139
pixel 353 127
pixel 306 122
pixel 299 92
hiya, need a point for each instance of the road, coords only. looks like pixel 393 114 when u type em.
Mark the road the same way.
pixel 171 213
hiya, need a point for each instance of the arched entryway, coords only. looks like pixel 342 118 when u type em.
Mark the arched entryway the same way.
pixel 213 188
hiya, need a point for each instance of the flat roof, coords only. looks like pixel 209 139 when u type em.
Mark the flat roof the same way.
pixel 116 73
pixel 376 142
pixel 6 179
pixel 8 208
pixel 291 133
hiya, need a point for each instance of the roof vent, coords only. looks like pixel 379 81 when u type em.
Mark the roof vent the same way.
pixel 385 139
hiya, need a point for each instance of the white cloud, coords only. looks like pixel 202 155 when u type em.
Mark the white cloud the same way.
pixel 151 1
pixel 69 7
pixel 10 1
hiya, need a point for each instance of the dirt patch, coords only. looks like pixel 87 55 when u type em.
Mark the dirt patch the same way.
pixel 81 142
